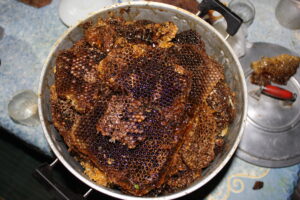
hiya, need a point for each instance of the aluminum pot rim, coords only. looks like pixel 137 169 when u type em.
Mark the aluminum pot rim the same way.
pixel 105 190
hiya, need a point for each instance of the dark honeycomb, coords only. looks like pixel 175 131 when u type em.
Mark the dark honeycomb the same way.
pixel 222 101
pixel 76 77
pixel 197 150
pixel 189 52
pixel 132 97
pixel 111 33
pixel 189 37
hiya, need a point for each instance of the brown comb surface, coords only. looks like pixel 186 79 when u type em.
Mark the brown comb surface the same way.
pixel 131 98
pixel 278 69
pixel 76 77
pixel 108 34
pixel 221 100
pixel 214 111
pixel 197 150
pixel 189 52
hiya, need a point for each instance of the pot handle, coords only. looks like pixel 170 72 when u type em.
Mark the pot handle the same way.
pixel 278 93
pixel 233 20
pixel 44 175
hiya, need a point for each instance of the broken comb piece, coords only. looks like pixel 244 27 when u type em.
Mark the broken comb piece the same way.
pixel 278 69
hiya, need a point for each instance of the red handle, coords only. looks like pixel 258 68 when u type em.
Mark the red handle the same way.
pixel 278 93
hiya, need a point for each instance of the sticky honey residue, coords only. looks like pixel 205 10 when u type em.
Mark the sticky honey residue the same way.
pixel 94 173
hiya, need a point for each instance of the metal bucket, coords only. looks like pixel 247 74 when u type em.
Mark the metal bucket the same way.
pixel 216 47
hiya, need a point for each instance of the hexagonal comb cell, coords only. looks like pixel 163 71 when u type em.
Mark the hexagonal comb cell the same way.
pixel 141 103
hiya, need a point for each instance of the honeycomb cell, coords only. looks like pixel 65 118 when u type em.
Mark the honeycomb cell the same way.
pixel 141 102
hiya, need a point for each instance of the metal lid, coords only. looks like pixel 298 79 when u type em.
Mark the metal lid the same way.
pixel 271 137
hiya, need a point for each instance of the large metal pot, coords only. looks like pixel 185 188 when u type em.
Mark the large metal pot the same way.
pixel 216 47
